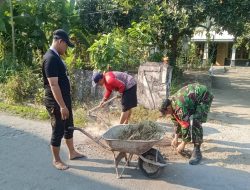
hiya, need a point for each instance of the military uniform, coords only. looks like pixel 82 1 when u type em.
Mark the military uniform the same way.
pixel 192 100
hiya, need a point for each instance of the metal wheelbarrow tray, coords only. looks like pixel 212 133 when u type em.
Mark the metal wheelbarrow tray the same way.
pixel 150 160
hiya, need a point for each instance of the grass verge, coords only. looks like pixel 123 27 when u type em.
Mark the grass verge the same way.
pixel 40 112
pixel 25 111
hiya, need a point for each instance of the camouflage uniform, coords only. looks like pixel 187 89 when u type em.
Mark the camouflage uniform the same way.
pixel 193 99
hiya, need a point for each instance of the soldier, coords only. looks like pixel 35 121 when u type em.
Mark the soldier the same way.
pixel 188 110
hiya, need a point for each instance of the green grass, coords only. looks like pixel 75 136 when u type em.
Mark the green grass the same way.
pixel 142 114
pixel 25 111
pixel 40 113
pixel 80 117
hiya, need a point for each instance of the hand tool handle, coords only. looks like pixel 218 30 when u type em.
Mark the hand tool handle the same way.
pixel 95 108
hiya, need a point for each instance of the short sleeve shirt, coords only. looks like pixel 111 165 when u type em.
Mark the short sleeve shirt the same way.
pixel 53 66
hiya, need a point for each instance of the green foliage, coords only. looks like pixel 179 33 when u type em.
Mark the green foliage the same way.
pixel 230 15
pixel 76 61
pixel 118 33
pixel 80 118
pixel 22 86
pixel 169 21
pixel 122 50
pixel 189 58
pixel 160 24
pixel 244 39
pixel 111 49
pixel 39 96
pixel 177 79
pixel 156 57
pixel 103 16
pixel 7 68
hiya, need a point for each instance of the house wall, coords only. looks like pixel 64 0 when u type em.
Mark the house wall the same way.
pixel 222 53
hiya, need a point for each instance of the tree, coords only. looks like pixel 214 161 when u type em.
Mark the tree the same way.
pixel 170 20
pixel 102 16
pixel 232 16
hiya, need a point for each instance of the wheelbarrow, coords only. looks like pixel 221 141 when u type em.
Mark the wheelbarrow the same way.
pixel 150 161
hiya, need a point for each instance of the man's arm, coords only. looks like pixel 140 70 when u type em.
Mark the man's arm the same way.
pixel 53 82
pixel 116 84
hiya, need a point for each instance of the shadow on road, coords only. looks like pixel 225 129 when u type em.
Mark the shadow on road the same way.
pixel 26 164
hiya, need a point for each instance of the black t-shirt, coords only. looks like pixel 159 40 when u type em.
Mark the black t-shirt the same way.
pixel 53 66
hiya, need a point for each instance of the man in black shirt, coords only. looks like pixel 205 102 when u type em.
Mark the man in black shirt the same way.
pixel 58 98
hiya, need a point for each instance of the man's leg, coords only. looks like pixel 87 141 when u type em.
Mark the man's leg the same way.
pixel 181 146
pixel 174 142
pixel 129 114
pixel 73 154
pixel 68 136
pixel 196 155
pixel 124 117
pixel 186 138
pixel 197 140
pixel 57 162
pixel 57 134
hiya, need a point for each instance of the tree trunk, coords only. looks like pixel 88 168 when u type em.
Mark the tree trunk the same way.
pixel 173 50
pixel 13 33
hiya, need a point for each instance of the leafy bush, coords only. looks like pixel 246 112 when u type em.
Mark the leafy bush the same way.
pixel 39 96
pixel 22 86
pixel 122 49
pixel 110 49
pixel 156 57
pixel 7 68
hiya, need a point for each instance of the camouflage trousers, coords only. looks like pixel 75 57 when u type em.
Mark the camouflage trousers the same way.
pixel 195 133
pixel 192 134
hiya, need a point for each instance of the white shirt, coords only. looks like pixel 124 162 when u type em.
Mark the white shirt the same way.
pixel 54 50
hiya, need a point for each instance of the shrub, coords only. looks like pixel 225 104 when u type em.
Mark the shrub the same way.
pixel 156 57
pixel 22 86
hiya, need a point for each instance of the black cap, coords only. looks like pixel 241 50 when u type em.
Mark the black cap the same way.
pixel 165 103
pixel 97 77
pixel 61 34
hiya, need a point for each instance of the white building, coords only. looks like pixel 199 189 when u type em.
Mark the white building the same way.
pixel 219 48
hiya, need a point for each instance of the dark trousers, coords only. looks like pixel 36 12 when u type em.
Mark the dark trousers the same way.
pixel 59 126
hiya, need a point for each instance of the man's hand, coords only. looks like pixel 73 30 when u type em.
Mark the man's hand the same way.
pixel 64 113
pixel 102 103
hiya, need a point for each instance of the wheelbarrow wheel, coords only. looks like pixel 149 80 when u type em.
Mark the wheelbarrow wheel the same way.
pixel 148 169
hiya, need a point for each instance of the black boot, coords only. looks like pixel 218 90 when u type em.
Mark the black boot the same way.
pixel 196 155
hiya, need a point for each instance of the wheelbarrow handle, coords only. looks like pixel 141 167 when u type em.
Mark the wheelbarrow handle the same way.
pixel 90 136
pixel 95 108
